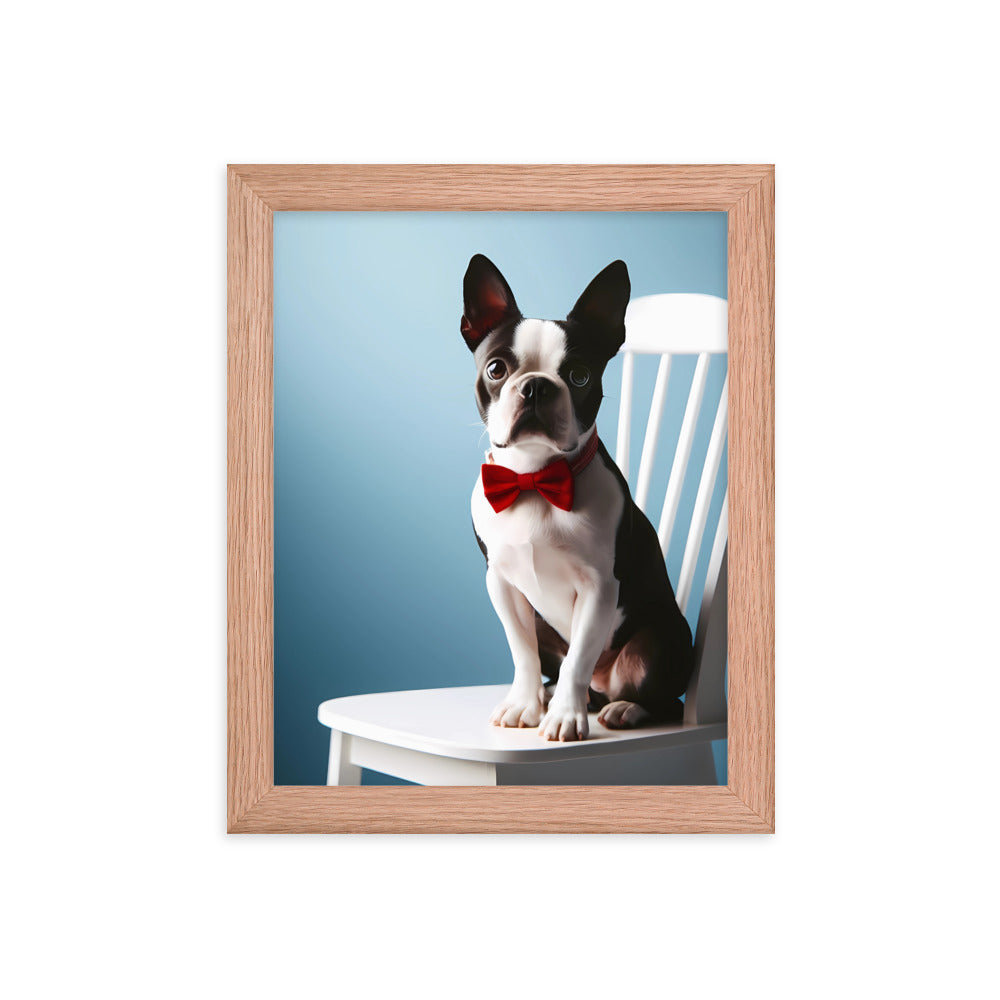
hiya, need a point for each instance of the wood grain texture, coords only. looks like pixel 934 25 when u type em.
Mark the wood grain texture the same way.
pixel 751 499
pixel 629 809
pixel 512 187
pixel 747 805
pixel 250 488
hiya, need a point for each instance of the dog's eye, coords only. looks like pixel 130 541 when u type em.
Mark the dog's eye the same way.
pixel 496 370
pixel 579 375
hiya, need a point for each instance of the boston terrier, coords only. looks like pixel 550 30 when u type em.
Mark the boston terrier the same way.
pixel 574 568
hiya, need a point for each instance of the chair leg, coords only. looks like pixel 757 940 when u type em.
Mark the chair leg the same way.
pixel 341 771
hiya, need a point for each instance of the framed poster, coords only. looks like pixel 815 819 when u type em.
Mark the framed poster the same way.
pixel 323 409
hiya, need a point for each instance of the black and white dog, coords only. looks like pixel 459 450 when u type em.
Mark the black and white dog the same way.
pixel 574 568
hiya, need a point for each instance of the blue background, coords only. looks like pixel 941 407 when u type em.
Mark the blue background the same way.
pixel 379 583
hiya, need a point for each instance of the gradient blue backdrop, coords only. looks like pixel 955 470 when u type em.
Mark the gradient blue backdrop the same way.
pixel 379 583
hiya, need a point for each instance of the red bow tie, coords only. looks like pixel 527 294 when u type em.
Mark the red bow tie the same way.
pixel 503 486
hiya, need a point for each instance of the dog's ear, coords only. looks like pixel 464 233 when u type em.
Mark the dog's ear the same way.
pixel 488 300
pixel 602 306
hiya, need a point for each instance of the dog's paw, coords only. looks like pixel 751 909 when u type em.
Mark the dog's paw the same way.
pixel 565 723
pixel 519 711
pixel 622 715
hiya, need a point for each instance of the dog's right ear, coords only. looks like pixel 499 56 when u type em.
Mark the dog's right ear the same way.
pixel 488 301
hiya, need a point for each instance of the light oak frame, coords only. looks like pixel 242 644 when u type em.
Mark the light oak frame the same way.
pixel 254 804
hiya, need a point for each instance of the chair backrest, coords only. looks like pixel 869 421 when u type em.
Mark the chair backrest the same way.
pixel 668 325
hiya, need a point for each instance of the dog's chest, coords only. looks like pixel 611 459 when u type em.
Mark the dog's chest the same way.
pixel 541 555
pixel 548 554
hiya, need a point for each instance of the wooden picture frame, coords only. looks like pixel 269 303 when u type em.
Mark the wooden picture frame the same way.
pixel 254 803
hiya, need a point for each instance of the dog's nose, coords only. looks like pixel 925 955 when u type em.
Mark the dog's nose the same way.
pixel 536 390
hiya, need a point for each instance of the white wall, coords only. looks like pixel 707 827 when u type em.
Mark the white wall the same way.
pixel 118 123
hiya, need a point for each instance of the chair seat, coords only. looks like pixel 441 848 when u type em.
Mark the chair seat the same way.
pixel 453 723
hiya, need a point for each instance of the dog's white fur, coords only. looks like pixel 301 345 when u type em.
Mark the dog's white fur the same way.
pixel 560 563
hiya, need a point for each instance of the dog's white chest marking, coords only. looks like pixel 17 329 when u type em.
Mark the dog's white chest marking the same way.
pixel 534 554
pixel 550 555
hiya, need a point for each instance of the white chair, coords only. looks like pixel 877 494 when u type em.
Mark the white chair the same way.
pixel 442 736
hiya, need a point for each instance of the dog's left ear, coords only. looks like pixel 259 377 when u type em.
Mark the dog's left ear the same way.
pixel 602 306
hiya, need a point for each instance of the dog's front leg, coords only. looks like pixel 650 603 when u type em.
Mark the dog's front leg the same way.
pixel 525 701
pixel 593 619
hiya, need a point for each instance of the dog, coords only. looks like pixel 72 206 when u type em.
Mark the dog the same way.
pixel 574 568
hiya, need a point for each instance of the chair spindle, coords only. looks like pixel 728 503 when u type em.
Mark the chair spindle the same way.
pixel 652 432
pixel 703 499
pixel 625 413
pixel 682 454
